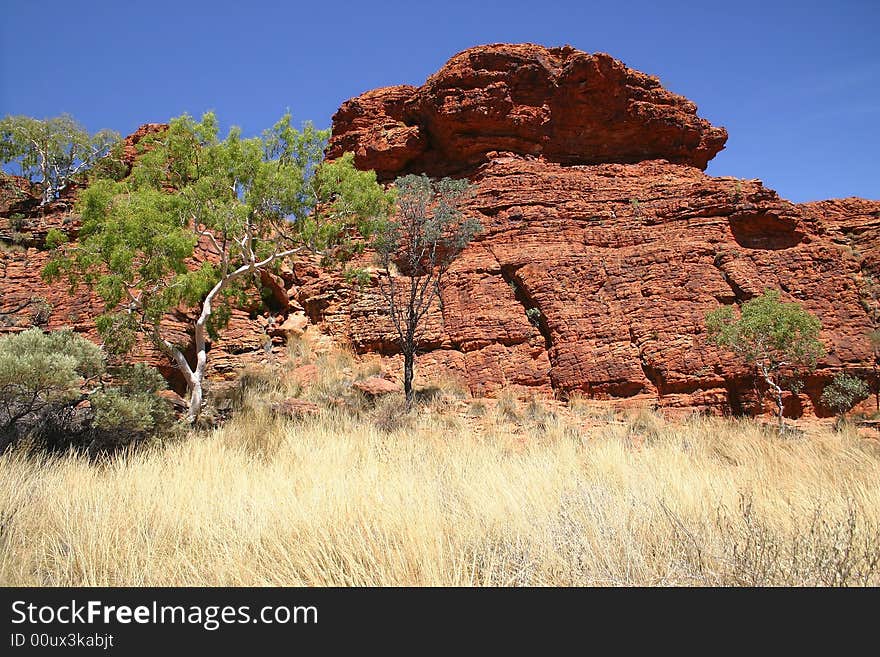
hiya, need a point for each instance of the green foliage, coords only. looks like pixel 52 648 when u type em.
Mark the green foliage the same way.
pixel 534 315
pixel 55 238
pixel 245 199
pixel 18 221
pixel 430 229
pixel 46 364
pixel 844 392
pixel 44 377
pixel 768 331
pixel 40 369
pixel 356 206
pixel 20 228
pixel 41 310
pixel 133 408
pixel 771 335
pixel 357 276
pixel 111 166
pixel 114 411
pixel 22 239
pixel 118 330
pixel 51 152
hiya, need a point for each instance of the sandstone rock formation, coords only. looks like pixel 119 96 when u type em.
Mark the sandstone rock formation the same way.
pixel 604 243
pixel 561 104
pixel 376 386
pixel 599 221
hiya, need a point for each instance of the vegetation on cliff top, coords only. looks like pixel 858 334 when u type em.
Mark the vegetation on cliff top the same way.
pixel 51 153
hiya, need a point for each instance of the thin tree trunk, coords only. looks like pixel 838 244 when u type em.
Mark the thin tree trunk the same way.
pixel 408 367
pixel 778 392
pixel 46 182
pixel 192 377
pixel 875 384
pixel 779 405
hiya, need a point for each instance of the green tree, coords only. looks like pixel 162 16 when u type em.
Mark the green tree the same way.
pixel 249 202
pixel 39 371
pixel 427 233
pixel 50 152
pixel 773 336
pixel 844 392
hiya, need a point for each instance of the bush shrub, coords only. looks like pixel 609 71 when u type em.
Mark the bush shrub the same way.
pixel 844 392
pixel 41 374
pixel 52 394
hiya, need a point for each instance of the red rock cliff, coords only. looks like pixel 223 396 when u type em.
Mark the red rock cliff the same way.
pixel 561 104
pixel 597 213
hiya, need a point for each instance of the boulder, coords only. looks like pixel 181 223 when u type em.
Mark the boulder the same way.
pixel 375 386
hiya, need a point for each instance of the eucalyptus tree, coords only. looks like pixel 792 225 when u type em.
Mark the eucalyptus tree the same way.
pixel 772 336
pixel 842 393
pixel 51 152
pixel 248 202
pixel 428 231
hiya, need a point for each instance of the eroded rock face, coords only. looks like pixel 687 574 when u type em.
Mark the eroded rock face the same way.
pixel 604 243
pixel 622 262
pixel 561 104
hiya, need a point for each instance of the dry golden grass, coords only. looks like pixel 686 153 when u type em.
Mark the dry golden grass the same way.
pixel 462 493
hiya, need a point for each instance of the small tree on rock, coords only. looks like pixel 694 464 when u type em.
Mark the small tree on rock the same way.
pixel 844 392
pixel 420 243
pixel 249 203
pixel 51 152
pixel 773 336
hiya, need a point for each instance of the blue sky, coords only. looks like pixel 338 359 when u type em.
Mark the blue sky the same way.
pixel 797 84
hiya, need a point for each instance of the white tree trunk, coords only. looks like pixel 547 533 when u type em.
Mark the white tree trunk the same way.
pixel 195 376
pixel 777 390
pixel 194 392
pixel 193 380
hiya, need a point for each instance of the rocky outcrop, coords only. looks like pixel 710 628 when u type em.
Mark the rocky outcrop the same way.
pixel 561 104
pixel 604 243
pixel 603 247
pixel 132 146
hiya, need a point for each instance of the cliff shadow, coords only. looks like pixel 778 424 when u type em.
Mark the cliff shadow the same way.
pixel 765 231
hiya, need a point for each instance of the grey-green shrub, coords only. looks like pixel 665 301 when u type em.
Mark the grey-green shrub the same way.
pixel 844 392
pixel 40 371
pixel 46 377
pixel 133 407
